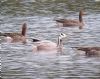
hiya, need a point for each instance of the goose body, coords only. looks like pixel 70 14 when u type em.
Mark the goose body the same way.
pixel 72 22
pixel 46 45
pixel 90 50
pixel 16 37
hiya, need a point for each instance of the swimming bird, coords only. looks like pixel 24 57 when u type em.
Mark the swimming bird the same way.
pixel 90 50
pixel 16 37
pixel 73 22
pixel 46 45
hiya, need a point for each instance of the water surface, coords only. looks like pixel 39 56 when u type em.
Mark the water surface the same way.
pixel 20 62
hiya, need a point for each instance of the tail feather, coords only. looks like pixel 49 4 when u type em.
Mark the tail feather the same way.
pixel 3 34
pixel 35 40
pixel 61 20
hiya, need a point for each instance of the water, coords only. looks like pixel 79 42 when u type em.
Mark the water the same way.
pixel 20 62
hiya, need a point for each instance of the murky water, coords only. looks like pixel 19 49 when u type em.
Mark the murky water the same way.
pixel 18 61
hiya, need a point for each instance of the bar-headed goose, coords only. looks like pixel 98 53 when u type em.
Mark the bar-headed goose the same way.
pixel 73 22
pixel 16 37
pixel 46 45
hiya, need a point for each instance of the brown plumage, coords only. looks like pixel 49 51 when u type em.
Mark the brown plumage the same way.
pixel 74 22
pixel 90 50
pixel 16 37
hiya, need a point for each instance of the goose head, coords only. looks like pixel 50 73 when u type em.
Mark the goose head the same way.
pixel 24 27
pixel 60 37
pixel 81 13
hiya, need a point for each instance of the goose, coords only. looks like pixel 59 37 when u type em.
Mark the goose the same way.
pixel 72 22
pixel 16 37
pixel 90 50
pixel 46 45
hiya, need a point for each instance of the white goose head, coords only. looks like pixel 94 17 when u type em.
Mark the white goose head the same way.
pixel 62 35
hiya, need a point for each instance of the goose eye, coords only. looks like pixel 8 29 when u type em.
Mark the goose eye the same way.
pixel 62 34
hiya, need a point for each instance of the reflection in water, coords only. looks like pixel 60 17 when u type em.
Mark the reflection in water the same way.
pixel 20 62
